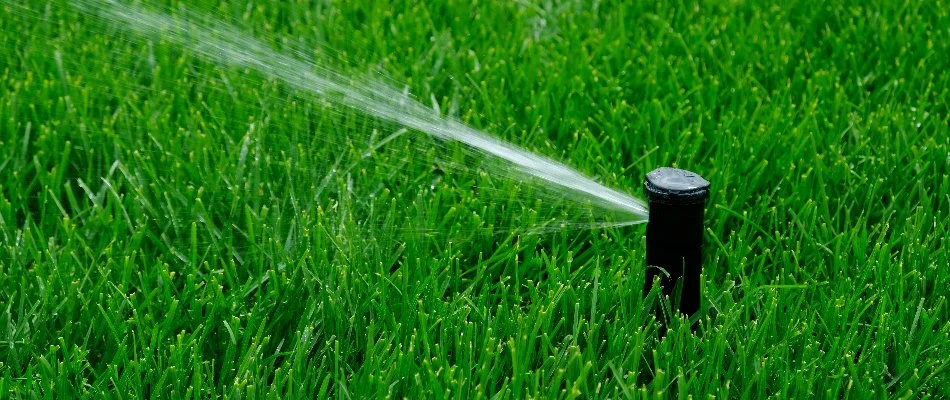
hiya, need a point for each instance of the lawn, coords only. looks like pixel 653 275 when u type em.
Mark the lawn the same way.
pixel 175 228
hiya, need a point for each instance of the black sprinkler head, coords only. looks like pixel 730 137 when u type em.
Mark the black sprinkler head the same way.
pixel 675 234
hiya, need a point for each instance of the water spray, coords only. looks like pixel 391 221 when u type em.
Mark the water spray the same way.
pixel 677 201
pixel 224 44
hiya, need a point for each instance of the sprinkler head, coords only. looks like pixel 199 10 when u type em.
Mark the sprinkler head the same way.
pixel 675 234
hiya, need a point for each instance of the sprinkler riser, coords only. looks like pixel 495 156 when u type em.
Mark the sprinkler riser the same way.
pixel 677 201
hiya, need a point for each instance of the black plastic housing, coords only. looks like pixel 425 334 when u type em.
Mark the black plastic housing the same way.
pixel 675 233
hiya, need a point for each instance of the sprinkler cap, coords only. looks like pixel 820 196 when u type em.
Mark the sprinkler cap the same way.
pixel 676 186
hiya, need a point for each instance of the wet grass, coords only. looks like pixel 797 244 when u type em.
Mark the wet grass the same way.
pixel 170 228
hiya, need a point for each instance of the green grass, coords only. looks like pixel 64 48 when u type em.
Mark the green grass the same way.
pixel 152 244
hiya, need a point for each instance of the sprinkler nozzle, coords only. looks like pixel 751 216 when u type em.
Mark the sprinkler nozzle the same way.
pixel 675 233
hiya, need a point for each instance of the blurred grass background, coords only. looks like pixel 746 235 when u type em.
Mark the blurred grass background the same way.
pixel 170 228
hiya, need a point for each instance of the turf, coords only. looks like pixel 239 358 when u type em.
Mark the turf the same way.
pixel 154 244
